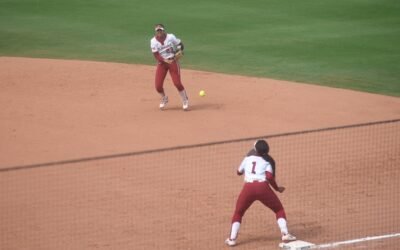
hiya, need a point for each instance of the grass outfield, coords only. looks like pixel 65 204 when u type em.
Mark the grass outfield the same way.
pixel 341 43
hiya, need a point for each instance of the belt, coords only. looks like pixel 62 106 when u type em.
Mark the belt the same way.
pixel 255 181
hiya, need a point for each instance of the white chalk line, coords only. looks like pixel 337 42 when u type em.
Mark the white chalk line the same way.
pixel 347 242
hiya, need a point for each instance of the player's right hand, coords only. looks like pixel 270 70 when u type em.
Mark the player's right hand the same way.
pixel 169 61
pixel 281 189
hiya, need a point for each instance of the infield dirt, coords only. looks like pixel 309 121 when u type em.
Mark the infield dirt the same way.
pixel 55 110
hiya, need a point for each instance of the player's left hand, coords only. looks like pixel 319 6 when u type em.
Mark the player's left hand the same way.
pixel 281 189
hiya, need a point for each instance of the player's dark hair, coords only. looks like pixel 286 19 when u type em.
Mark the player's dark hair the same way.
pixel 261 146
pixel 266 157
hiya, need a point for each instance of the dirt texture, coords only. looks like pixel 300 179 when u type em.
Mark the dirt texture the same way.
pixel 55 110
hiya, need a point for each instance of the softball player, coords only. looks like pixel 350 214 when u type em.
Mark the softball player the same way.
pixel 258 177
pixel 167 49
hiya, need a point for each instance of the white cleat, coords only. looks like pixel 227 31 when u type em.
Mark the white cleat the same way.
pixel 230 242
pixel 164 101
pixel 185 105
pixel 288 237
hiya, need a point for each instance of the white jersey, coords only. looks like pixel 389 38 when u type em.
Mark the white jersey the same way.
pixel 168 48
pixel 254 168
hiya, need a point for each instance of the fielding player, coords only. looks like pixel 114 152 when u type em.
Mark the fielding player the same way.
pixel 258 177
pixel 167 49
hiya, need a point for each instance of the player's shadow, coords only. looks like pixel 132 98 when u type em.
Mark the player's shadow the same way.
pixel 207 106
pixel 197 107
pixel 259 239
pixel 306 230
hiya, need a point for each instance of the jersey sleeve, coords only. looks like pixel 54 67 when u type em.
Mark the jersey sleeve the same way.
pixel 269 168
pixel 153 46
pixel 242 166
pixel 175 40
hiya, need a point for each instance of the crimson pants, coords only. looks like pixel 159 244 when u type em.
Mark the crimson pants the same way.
pixel 262 192
pixel 174 71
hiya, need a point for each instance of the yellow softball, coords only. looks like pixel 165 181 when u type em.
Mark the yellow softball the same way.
pixel 202 93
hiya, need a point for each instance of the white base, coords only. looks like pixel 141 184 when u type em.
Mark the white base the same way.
pixel 297 245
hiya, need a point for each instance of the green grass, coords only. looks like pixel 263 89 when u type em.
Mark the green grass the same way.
pixel 350 44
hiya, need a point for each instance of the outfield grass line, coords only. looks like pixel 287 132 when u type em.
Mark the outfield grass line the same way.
pixel 353 241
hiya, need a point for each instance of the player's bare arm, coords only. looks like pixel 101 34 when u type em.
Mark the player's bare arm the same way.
pixel 272 182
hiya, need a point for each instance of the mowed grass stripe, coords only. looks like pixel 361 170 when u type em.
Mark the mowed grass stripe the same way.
pixel 344 43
